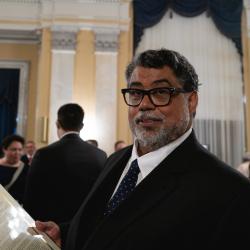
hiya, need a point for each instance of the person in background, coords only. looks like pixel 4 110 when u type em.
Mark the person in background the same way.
pixel 13 171
pixel 93 142
pixel 29 149
pixel 62 174
pixel 244 167
pixel 119 145
pixel 1 152
pixel 166 191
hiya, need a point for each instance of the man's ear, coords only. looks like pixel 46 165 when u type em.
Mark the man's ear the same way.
pixel 193 102
pixel 58 124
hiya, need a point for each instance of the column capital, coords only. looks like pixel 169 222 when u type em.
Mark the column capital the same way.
pixel 63 40
pixel 106 40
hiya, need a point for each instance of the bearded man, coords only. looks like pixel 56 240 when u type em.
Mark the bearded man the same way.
pixel 166 191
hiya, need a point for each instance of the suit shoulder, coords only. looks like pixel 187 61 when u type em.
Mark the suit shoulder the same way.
pixel 219 173
pixel 93 150
pixel 48 148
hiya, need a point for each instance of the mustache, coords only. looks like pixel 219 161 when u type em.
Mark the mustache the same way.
pixel 148 115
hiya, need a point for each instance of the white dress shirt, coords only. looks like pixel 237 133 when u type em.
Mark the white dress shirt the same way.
pixel 151 160
pixel 68 133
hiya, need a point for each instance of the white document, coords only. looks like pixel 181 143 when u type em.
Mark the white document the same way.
pixel 17 227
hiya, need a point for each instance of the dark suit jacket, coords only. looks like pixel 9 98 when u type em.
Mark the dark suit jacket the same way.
pixel 190 201
pixel 60 177
pixel 25 159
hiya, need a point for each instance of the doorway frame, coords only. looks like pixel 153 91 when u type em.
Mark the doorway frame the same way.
pixel 22 108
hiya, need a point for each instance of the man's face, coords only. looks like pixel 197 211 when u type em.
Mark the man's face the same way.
pixel 30 148
pixel 153 126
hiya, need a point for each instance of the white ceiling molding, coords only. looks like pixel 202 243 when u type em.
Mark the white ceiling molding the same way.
pixel 36 14
pixel 20 36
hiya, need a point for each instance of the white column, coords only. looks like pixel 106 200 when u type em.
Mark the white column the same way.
pixel 62 75
pixel 106 88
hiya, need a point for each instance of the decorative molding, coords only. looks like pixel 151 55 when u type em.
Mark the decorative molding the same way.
pixel 83 14
pixel 60 1
pixel 22 1
pixel 63 40
pixel 105 1
pixel 45 123
pixel 106 41
pixel 20 36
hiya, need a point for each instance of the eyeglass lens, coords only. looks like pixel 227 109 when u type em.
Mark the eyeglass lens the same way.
pixel 157 96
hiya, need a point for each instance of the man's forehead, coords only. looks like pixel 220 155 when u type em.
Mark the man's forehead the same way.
pixel 140 71
pixel 153 76
pixel 161 82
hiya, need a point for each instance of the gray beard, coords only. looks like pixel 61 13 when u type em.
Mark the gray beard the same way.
pixel 160 137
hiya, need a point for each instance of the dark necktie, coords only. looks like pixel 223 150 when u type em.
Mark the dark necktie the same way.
pixel 127 185
pixel 30 159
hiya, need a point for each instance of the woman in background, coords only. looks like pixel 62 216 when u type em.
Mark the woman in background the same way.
pixel 13 172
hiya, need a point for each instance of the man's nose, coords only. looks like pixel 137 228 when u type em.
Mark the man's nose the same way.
pixel 146 103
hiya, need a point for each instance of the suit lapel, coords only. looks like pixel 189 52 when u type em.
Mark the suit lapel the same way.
pixel 159 184
pixel 143 198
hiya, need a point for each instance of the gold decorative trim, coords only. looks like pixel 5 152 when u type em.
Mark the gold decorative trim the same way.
pixel 45 129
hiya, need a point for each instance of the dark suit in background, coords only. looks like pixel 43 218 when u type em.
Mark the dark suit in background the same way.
pixel 60 177
pixel 25 159
pixel 30 150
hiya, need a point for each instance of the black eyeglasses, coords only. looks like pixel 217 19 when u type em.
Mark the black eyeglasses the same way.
pixel 158 96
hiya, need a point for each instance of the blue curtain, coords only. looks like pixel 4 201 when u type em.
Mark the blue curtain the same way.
pixel 226 15
pixel 9 89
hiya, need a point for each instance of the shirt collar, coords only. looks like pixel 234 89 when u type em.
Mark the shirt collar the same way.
pixel 70 132
pixel 149 161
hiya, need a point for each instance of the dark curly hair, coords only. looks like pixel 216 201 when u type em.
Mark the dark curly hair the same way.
pixel 11 138
pixel 182 69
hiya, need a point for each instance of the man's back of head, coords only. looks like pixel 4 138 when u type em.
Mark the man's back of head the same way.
pixel 70 117
pixel 119 145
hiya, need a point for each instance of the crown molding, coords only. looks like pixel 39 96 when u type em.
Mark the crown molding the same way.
pixel 22 20
pixel 84 14
pixel 20 36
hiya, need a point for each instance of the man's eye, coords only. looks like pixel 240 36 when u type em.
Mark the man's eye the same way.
pixel 135 93
pixel 160 92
